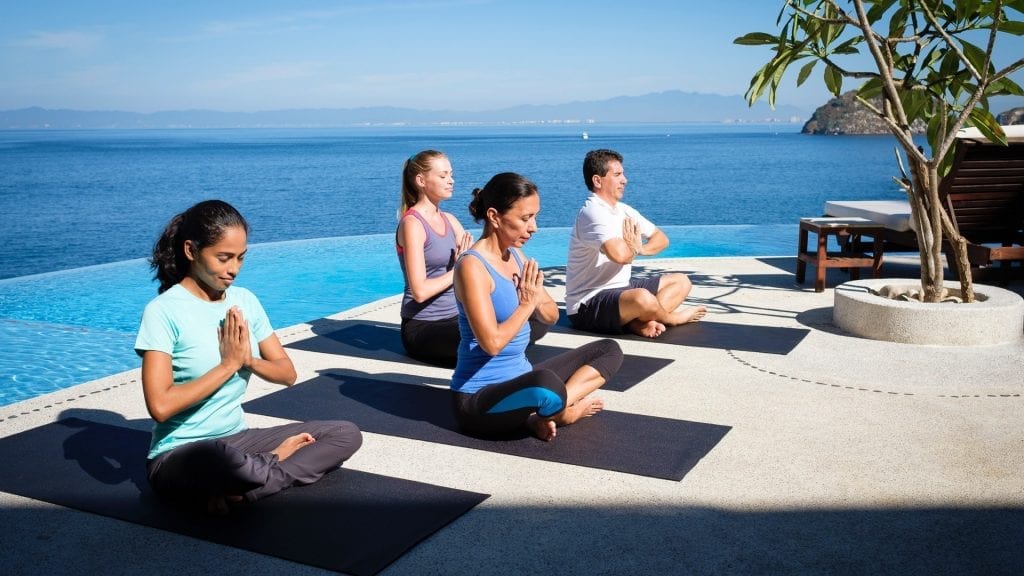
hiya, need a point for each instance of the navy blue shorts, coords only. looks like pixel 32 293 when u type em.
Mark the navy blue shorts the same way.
pixel 601 312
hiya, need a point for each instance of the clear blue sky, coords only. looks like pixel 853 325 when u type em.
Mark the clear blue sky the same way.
pixel 432 54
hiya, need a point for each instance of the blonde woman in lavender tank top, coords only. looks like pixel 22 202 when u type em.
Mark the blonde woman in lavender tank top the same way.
pixel 428 241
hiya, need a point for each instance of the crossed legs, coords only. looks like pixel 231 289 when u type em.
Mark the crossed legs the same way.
pixel 555 393
pixel 254 463
pixel 647 314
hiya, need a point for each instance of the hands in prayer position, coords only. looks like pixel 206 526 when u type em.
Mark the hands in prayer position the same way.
pixel 235 349
pixel 631 234
pixel 530 286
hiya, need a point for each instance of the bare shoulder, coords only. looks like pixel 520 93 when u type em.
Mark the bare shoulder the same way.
pixel 410 228
pixel 453 221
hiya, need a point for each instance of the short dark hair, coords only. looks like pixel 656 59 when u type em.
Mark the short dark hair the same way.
pixel 596 164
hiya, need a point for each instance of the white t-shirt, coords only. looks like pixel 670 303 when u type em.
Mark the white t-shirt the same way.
pixel 589 270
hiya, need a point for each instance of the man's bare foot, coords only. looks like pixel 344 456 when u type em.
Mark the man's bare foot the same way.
pixel 583 408
pixel 542 428
pixel 649 329
pixel 689 314
pixel 693 313
pixel 292 444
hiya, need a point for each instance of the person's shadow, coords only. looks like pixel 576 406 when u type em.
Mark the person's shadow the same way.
pixel 107 447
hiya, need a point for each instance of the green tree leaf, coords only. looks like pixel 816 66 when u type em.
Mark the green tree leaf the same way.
pixel 898 22
pixel 805 71
pixel 870 89
pixel 878 9
pixel 966 9
pixel 976 56
pixel 1006 87
pixel 984 121
pixel 1014 27
pixel 756 39
pixel 833 80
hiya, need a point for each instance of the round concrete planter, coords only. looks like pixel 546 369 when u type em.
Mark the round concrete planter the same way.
pixel 996 316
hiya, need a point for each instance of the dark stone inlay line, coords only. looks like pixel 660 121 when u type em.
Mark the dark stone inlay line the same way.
pixel 70 399
pixel 732 354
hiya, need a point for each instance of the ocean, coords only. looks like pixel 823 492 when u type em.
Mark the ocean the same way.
pixel 77 198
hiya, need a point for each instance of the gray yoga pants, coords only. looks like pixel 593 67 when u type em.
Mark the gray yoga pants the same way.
pixel 241 464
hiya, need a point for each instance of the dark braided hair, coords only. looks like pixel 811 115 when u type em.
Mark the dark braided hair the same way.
pixel 500 193
pixel 203 225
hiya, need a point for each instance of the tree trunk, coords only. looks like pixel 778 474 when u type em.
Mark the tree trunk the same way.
pixel 963 266
pixel 958 250
pixel 932 224
pixel 926 212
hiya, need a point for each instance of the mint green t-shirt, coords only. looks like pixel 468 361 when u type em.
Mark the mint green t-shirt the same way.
pixel 184 326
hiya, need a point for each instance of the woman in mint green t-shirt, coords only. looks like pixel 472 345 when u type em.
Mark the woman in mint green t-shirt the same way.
pixel 200 340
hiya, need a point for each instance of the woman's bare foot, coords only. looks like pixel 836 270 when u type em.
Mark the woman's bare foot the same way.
pixel 583 408
pixel 648 329
pixel 292 444
pixel 542 428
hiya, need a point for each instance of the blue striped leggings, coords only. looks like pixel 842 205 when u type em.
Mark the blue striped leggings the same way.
pixel 502 409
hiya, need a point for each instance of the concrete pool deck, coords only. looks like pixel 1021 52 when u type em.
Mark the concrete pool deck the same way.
pixel 845 455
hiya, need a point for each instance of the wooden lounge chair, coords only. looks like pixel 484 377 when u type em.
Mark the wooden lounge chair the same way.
pixel 983 195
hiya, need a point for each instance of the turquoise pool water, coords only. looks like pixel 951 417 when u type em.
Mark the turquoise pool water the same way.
pixel 65 328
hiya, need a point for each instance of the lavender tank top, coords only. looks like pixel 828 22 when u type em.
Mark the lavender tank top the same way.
pixel 439 257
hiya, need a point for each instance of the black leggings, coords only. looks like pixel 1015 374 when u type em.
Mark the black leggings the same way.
pixel 432 341
pixel 503 408
pixel 436 342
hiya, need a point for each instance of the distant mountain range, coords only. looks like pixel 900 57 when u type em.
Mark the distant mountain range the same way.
pixel 671 106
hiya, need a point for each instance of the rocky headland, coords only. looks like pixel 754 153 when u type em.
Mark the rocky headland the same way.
pixel 845 115
pixel 1011 116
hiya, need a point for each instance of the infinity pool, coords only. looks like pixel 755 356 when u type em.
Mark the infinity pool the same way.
pixel 65 328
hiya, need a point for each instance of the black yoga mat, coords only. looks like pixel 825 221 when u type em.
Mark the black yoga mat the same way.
pixel 364 335
pixel 386 338
pixel 618 441
pixel 723 336
pixel 634 369
pixel 349 521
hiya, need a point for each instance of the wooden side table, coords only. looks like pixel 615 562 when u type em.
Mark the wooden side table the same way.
pixel 851 255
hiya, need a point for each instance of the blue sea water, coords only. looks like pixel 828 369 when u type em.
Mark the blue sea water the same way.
pixel 321 204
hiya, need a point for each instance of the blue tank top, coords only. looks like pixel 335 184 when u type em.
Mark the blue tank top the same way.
pixel 475 368
pixel 439 257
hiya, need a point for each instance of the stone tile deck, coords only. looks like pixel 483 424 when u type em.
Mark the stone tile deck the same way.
pixel 846 455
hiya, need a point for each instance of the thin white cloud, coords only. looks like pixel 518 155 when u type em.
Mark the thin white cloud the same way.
pixel 265 73
pixel 62 40
pixel 301 19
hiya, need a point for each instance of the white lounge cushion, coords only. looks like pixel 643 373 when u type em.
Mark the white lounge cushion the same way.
pixel 893 214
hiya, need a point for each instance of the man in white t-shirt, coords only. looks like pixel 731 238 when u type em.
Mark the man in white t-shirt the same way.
pixel 600 293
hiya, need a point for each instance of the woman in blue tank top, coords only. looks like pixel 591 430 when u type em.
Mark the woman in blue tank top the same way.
pixel 428 241
pixel 495 389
